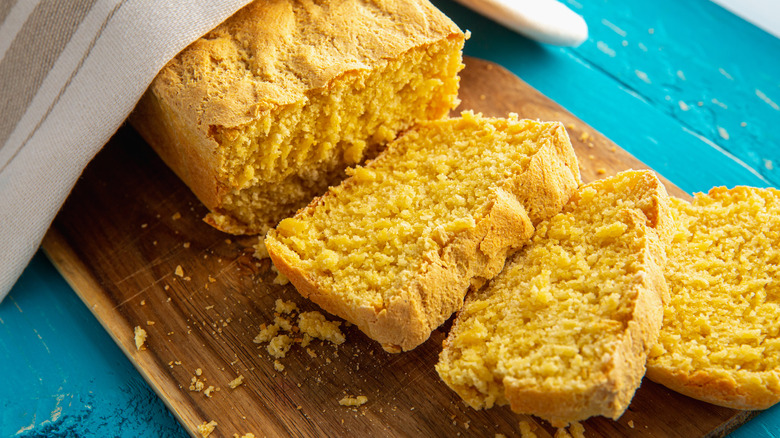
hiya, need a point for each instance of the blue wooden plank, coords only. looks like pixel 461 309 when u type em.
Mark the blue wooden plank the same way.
pixel 63 376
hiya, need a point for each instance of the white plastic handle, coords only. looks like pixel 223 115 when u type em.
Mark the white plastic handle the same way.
pixel 547 21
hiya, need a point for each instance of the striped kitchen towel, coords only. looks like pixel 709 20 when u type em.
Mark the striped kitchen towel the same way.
pixel 70 73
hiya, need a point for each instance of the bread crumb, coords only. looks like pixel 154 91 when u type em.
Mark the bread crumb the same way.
pixel 207 392
pixel 205 429
pixel 584 137
pixel 500 435
pixel 353 401
pixel 315 325
pixel 209 307
pixel 179 271
pixel 266 334
pixel 212 279
pixel 577 430
pixel 140 337
pixel 196 384
pixel 305 341
pixel 601 171
pixel 236 382
pixel 166 287
pixel 186 244
pixel 198 372
pixel 143 302
pixel 248 435
pixel 281 306
pixel 562 433
pixel 280 278
pixel 613 149
pixel 144 225
pixel 527 430
pixel 279 346
pixel 261 252
pixel 311 352
pixel 149 322
pixel 283 323
pixel 176 216
pixel 278 366
pixel 631 423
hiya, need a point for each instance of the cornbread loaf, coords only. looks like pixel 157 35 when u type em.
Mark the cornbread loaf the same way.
pixel 563 331
pixel 261 114
pixel 721 336
pixel 395 247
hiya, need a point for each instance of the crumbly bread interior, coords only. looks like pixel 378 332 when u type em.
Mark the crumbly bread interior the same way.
pixel 279 162
pixel 371 236
pixel 721 336
pixel 552 327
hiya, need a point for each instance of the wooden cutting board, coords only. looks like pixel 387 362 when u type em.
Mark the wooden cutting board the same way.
pixel 129 224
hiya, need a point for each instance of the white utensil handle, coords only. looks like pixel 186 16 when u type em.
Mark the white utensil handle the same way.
pixel 546 21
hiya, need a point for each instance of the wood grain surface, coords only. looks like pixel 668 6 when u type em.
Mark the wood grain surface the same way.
pixel 129 224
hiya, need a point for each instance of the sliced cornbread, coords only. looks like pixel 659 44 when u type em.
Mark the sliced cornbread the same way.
pixel 721 336
pixel 563 331
pixel 264 112
pixel 395 247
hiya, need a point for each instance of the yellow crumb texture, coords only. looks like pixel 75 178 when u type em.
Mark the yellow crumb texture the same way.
pixel 236 382
pixel 577 430
pixel 721 337
pixel 279 346
pixel 315 325
pixel 266 334
pixel 527 429
pixel 562 332
pixel 281 306
pixel 140 337
pixel 206 429
pixel 261 252
pixel 280 278
pixel 353 401
pixel 387 235
pixel 290 93
pixel 196 384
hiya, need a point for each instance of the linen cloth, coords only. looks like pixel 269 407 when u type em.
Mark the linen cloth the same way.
pixel 71 71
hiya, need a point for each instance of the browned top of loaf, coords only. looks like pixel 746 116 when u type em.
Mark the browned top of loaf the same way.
pixel 272 51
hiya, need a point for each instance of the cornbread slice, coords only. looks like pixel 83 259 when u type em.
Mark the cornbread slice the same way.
pixel 394 248
pixel 264 112
pixel 721 336
pixel 563 331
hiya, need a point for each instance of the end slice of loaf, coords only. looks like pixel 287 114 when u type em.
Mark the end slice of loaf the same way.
pixel 721 336
pixel 266 111
pixel 563 332
pixel 395 247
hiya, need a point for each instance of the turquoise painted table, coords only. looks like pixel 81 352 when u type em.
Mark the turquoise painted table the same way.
pixel 687 87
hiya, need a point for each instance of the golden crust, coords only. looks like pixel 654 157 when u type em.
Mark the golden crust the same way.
pixel 719 387
pixel 683 361
pixel 610 393
pixel 270 54
pixel 471 258
pixel 611 396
